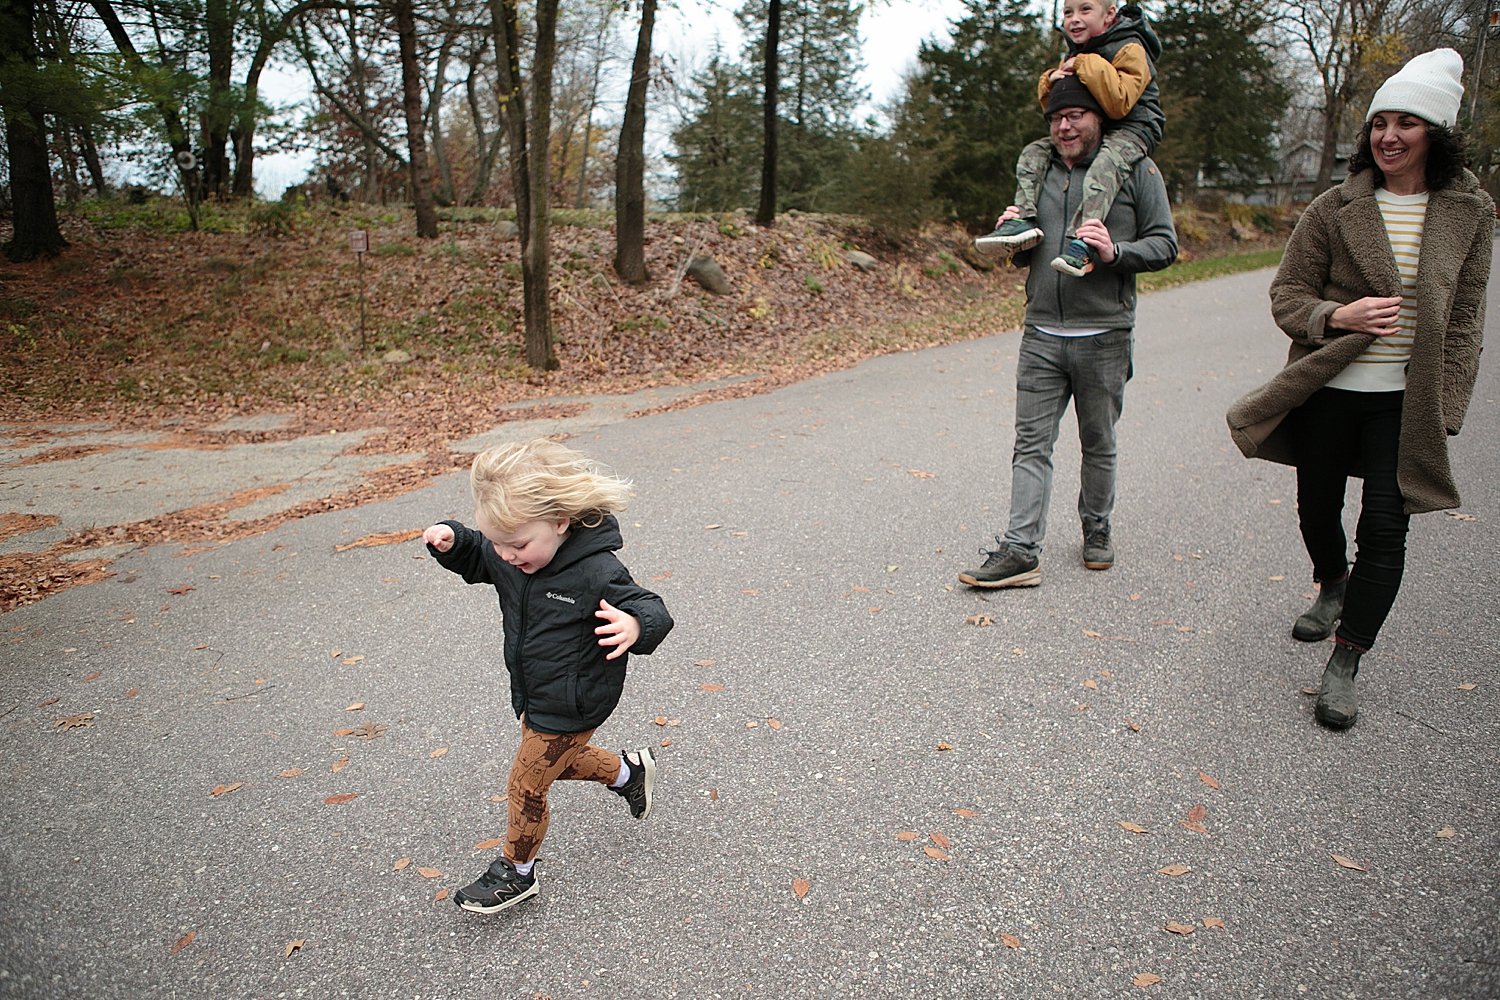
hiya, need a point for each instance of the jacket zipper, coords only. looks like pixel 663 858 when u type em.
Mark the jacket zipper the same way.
pixel 521 643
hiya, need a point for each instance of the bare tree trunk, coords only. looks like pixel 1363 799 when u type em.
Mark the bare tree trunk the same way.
pixel 411 105
pixel 765 215
pixel 34 212
pixel 90 150
pixel 513 105
pixel 630 163
pixel 581 199
pixel 445 193
pixel 214 121
pixel 535 250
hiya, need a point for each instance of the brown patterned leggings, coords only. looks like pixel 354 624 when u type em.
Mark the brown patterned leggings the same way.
pixel 541 759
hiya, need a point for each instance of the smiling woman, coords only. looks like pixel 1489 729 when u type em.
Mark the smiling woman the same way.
pixel 1382 293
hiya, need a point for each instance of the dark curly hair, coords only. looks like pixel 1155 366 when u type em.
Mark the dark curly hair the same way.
pixel 1447 155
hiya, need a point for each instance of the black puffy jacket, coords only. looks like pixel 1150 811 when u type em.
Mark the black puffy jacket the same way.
pixel 559 677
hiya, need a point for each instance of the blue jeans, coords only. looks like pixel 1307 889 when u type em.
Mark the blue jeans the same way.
pixel 1092 372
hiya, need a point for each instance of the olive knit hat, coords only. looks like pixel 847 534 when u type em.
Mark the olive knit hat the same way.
pixel 1429 86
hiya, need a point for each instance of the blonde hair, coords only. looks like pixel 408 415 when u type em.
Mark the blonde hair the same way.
pixel 541 480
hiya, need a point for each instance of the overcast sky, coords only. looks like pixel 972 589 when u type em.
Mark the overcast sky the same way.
pixel 685 34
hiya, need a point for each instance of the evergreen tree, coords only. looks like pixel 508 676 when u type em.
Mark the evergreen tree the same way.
pixel 979 92
pixel 1222 112
pixel 718 147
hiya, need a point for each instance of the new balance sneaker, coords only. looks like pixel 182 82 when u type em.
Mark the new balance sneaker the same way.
pixel 500 886
pixel 637 789
pixel 1012 236
pixel 1074 259
pixel 1098 553
pixel 1004 567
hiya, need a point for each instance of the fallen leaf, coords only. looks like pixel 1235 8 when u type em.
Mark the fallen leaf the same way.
pixel 1446 833
pixel 875 610
pixel 1017 651
pixel 935 854
pixel 333 653
pixel 661 720
pixel 1461 516
pixel 358 706
pixel 1090 633
pixel 713 794
pixel 1181 929
pixel 343 732
pixel 1214 922
pixel 944 746
pixel 338 800
pixel 1311 691
pixel 293 945
pixel 430 872
pixel 1010 940
pixel 965 813
pixel 439 752
pixel 488 845
pixel 350 661
pixel 225 789
pixel 441 894
pixel 1209 780
pixel 1467 687
pixel 667 742
pixel 1348 863
pixel 1135 597
pixel 906 836
pixel 1091 684
pixel 339 764
pixel 752 724
pixel 370 730
pixel 941 840
pixel 749 592
pixel 50 701
pixel 186 588
pixel 402 864
pixel 1132 827
pixel 774 724
pixel 380 538
pixel 291 772
pixel 712 527
pixel 710 687
pixel 704 663
pixel 93 676
pixel 82 720
pixel 184 941
pixel 983 621
pixel 132 692
pixel 920 474
pixel 1134 727
pixel 1276 579
pixel 1175 870
pixel 800 887
pixel 1144 979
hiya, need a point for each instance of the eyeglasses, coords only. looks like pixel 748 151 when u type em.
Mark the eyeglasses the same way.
pixel 1072 117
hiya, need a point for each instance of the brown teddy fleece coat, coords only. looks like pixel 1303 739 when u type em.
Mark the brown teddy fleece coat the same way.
pixel 1339 252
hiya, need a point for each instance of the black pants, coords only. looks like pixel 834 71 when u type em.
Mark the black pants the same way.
pixel 1334 432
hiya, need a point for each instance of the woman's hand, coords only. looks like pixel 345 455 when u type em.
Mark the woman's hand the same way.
pixel 1372 314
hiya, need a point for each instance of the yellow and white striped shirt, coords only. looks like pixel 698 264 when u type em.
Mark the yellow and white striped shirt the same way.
pixel 1382 366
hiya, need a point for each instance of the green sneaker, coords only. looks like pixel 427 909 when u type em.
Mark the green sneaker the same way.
pixel 1012 236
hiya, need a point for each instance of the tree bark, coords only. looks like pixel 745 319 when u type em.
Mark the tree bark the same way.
pixel 765 215
pixel 219 26
pixel 535 248
pixel 411 105
pixel 34 210
pixel 630 163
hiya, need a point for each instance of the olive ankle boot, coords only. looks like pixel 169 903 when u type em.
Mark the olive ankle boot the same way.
pixel 1337 705
pixel 1316 623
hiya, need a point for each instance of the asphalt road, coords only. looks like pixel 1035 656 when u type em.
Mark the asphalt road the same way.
pixel 807 542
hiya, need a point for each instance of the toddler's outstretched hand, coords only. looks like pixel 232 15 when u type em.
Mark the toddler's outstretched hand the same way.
pixel 439 536
pixel 620 629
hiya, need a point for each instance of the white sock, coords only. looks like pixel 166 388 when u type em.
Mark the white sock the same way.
pixel 624 774
pixel 524 869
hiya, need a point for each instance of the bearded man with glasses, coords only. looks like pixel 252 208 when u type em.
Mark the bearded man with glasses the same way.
pixel 1077 342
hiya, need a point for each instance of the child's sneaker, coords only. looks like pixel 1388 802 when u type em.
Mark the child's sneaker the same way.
pixel 1013 236
pixel 1074 259
pixel 500 886
pixel 637 789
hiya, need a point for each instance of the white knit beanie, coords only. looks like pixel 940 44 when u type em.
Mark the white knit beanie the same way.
pixel 1429 86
